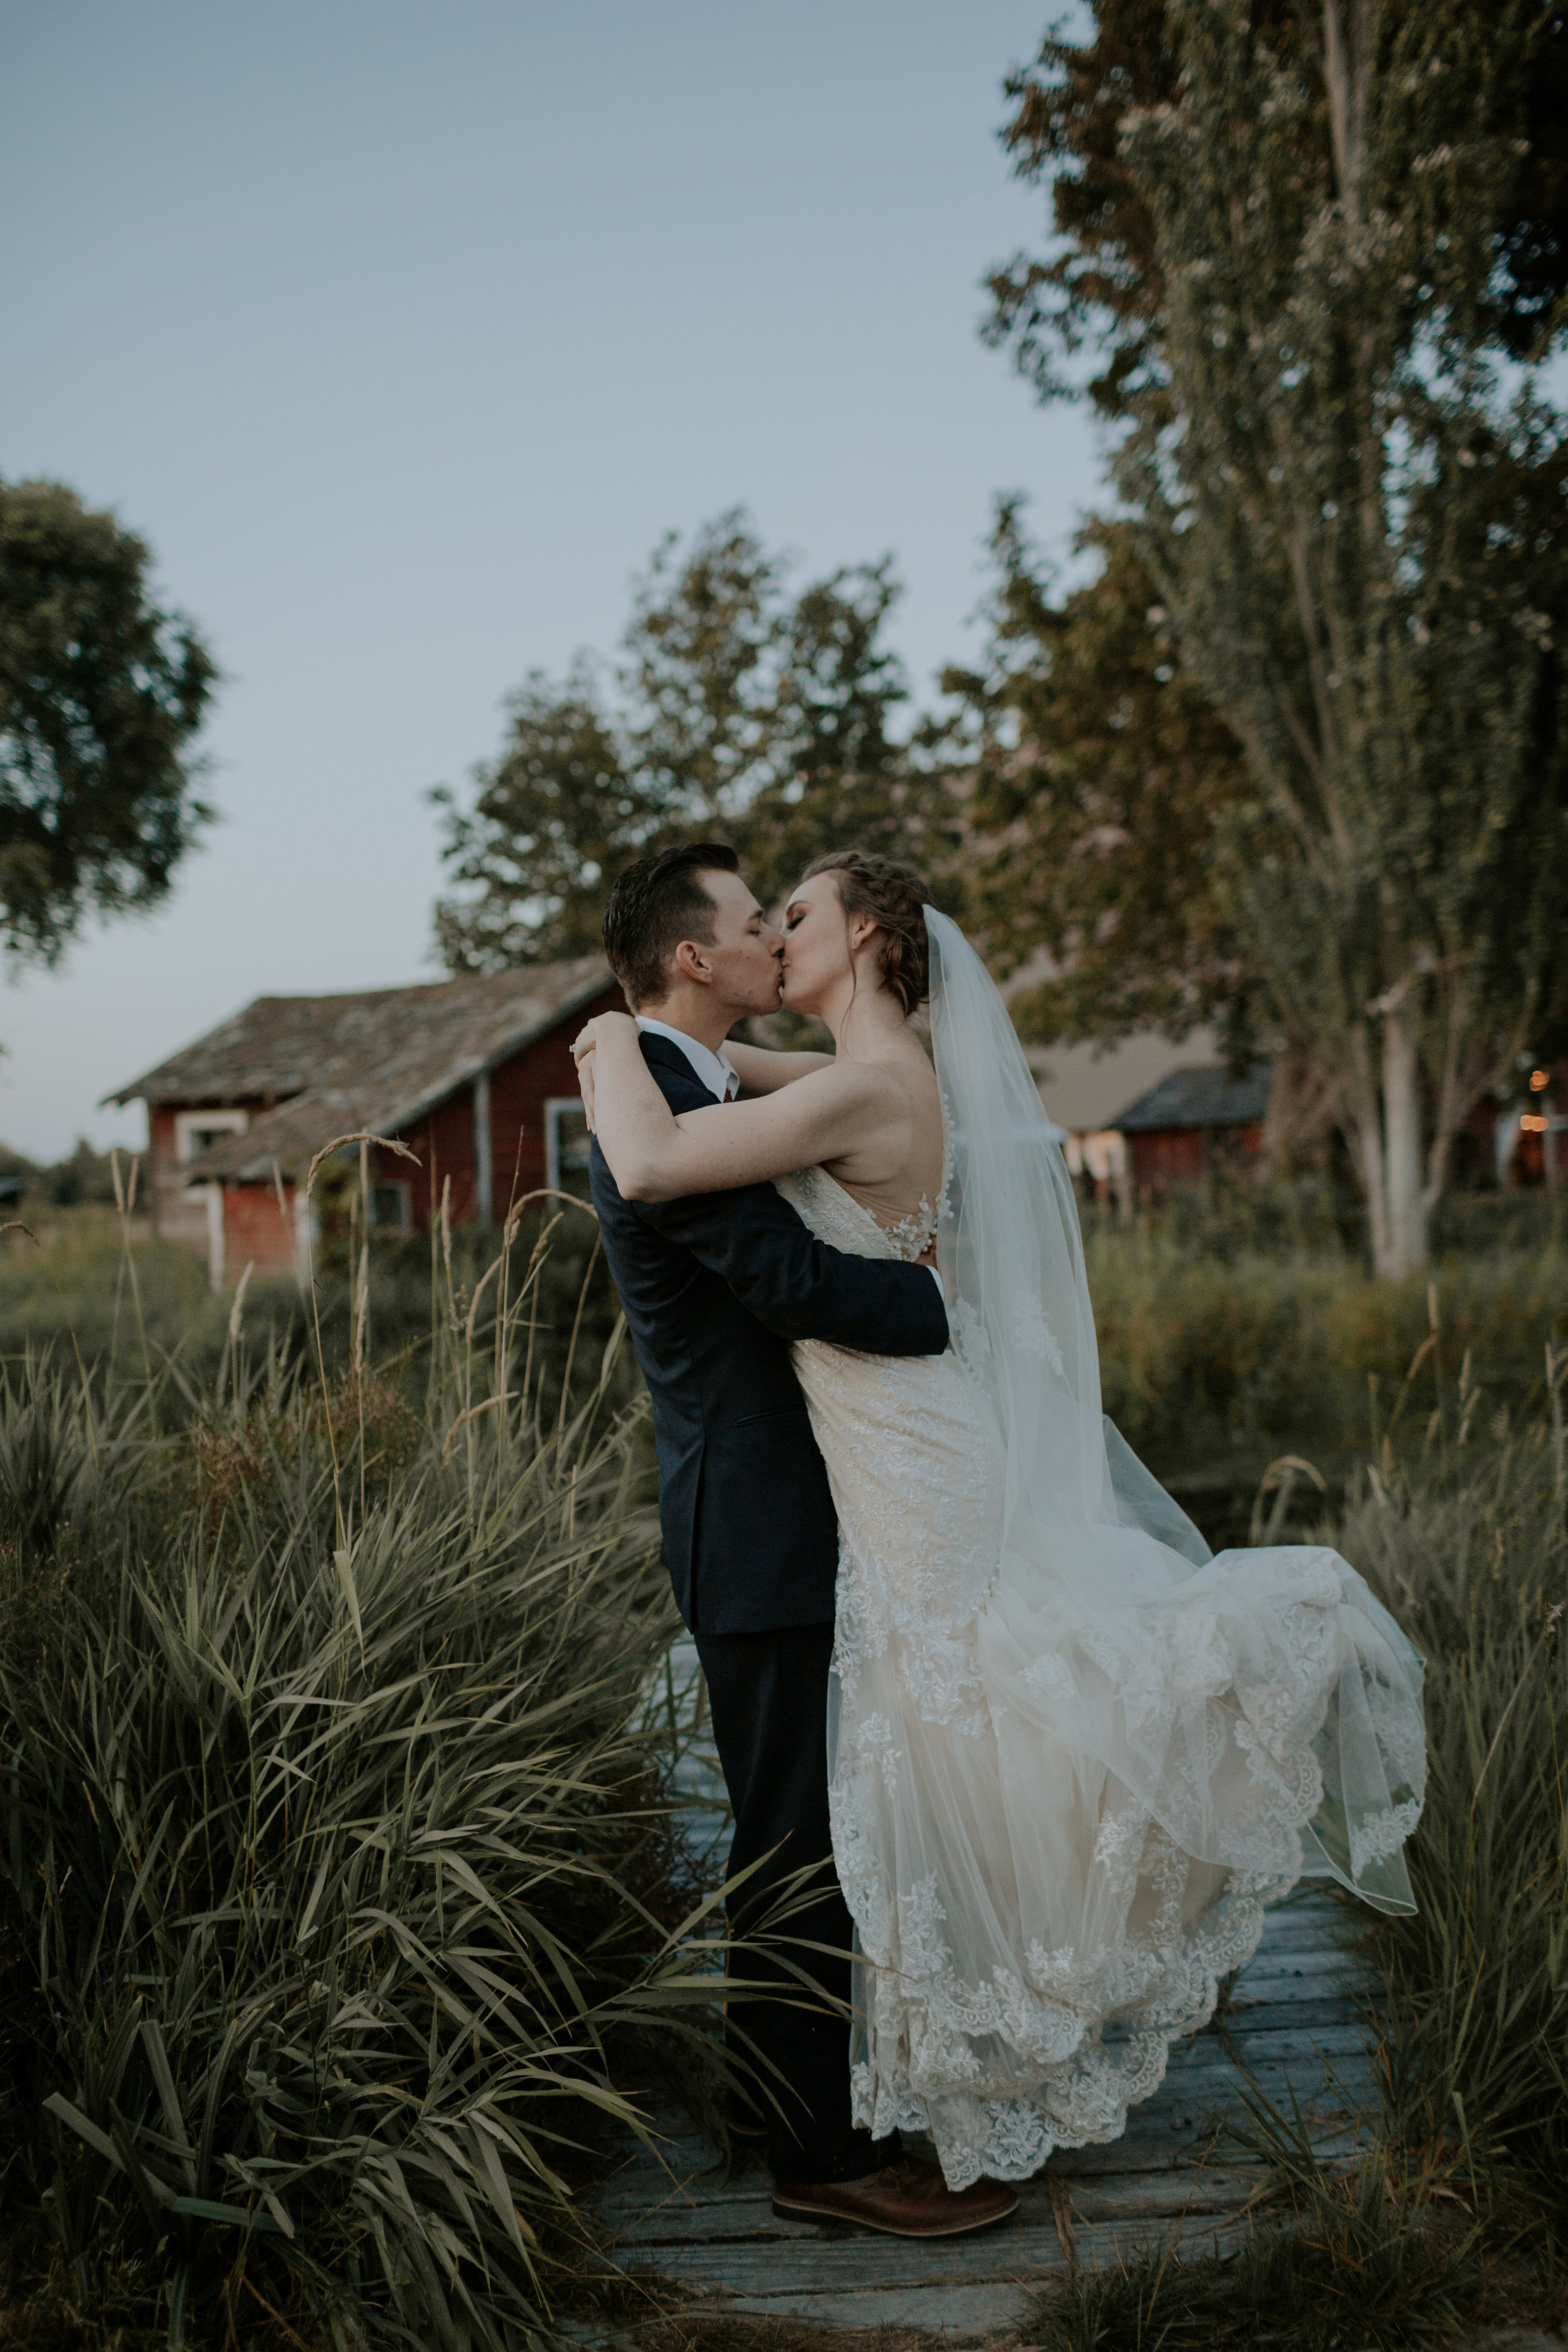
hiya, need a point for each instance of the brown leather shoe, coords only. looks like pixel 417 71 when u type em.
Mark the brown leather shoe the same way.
pixel 909 2199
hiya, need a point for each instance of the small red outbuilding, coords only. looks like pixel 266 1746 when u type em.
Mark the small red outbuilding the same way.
pixel 474 1075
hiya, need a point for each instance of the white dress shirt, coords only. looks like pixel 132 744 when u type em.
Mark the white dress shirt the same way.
pixel 719 1075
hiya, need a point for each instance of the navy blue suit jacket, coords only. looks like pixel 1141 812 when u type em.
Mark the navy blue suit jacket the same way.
pixel 715 1287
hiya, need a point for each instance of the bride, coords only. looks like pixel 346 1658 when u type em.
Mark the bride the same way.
pixel 1072 1753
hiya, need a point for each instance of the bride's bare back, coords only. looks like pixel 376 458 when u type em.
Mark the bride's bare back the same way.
pixel 893 1166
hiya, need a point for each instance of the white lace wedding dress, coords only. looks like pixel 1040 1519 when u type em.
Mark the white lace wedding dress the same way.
pixel 1071 1754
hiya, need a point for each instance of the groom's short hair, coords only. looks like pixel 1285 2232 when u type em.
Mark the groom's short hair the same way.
pixel 657 902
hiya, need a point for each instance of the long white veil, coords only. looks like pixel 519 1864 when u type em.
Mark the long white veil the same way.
pixel 1260 1707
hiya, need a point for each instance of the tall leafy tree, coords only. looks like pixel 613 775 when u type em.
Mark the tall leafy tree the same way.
pixel 700 669
pixel 838 775
pixel 102 692
pixel 1099 287
pixel 1105 789
pixel 550 821
pixel 736 710
pixel 1306 257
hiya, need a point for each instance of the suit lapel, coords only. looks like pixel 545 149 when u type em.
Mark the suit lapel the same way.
pixel 662 1053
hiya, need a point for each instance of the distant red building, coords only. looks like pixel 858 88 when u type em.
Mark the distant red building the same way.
pixel 475 1077
pixel 1193 1122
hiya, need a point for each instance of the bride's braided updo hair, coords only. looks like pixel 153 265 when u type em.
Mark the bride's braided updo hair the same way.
pixel 895 898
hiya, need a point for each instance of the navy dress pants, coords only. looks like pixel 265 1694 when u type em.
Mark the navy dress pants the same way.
pixel 768 1694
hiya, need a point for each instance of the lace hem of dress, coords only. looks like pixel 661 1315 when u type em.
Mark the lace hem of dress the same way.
pixel 999 2099
pixel 1002 2073
pixel 1001 2067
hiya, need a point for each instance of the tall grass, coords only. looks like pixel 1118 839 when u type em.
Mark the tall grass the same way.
pixel 338 1896
pixel 1206 1354
pixel 1227 1337
pixel 1457 2212
pixel 1472 1552
pixel 73 1302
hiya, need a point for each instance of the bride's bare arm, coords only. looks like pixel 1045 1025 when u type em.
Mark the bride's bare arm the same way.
pixel 653 1156
pixel 761 1071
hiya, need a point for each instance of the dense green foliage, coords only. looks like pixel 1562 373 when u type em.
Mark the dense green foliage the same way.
pixel 338 1896
pixel 1100 286
pixel 1102 776
pixel 1304 240
pixel 101 692
pixel 739 710
pixel 1455 2215
pixel 1213 1355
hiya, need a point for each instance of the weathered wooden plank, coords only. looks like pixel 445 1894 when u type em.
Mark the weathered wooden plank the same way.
pixel 955 2311
pixel 1013 2251
pixel 1261 2042
pixel 859 2260
pixel 1317 1959
pixel 1195 2188
pixel 1272 2016
pixel 717 2224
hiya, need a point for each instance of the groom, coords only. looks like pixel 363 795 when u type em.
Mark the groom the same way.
pixel 715 1287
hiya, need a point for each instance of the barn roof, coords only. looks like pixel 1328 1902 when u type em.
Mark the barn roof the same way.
pixel 376 1059
pixel 1203 1097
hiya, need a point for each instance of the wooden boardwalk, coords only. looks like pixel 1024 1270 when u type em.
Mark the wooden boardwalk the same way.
pixel 1291 2018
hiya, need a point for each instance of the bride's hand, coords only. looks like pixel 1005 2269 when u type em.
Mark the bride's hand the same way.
pixel 582 1049
pixel 585 1085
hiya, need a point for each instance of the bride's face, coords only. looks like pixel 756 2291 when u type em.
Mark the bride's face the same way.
pixel 818 957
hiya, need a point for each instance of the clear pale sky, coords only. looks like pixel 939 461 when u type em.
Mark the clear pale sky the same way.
pixel 402 332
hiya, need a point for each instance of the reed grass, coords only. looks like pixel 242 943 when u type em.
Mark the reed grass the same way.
pixel 1458 1518
pixel 72 1303
pixel 340 1904
pixel 1206 1354
pixel 1229 1333
pixel 1472 1552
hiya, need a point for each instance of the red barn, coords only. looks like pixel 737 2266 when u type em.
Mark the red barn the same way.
pixel 474 1075
pixel 1194 1121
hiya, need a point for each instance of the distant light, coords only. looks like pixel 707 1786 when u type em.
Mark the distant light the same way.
pixel 1538 1078
pixel 1533 1126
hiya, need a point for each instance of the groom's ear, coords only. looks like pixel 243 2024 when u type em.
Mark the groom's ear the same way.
pixel 691 962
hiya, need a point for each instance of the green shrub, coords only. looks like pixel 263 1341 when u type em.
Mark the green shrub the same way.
pixel 76 1303
pixel 338 1891
pixel 1470 1550
pixel 1203 1355
pixel 1455 2213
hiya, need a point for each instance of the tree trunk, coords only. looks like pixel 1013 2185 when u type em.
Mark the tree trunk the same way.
pixel 1364 1135
pixel 1405 1222
pixel 1347 64
pixel 1383 1118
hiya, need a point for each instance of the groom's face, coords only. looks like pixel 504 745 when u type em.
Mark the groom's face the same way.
pixel 742 959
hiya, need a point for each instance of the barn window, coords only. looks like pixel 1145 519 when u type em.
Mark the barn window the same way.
pixel 197 1130
pixel 566 1145
pixel 392 1207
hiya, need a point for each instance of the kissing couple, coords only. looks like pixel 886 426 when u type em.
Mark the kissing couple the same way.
pixel 1048 1757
